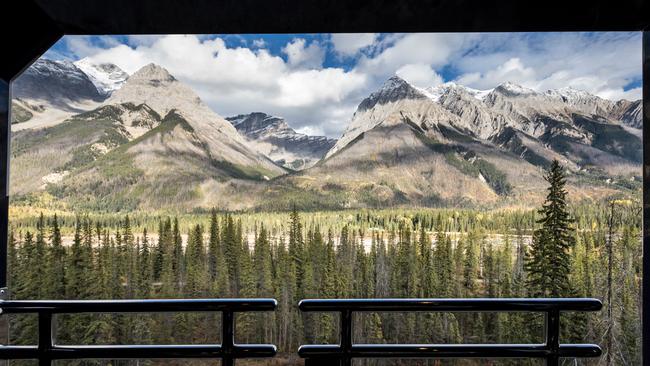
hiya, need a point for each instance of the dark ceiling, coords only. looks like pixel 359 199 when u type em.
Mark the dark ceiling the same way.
pixel 36 24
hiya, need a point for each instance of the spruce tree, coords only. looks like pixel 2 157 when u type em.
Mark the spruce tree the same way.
pixel 55 262
pixel 549 263
pixel 213 245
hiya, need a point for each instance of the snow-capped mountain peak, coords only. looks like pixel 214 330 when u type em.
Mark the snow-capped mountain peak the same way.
pixel 512 89
pixel 394 82
pixel 106 77
pixel 56 83
pixel 435 92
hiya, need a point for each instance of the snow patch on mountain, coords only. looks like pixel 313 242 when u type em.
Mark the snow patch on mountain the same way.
pixel 106 77
pixel 514 90
pixel 435 92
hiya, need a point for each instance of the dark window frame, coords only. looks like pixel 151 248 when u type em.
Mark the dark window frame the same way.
pixel 32 26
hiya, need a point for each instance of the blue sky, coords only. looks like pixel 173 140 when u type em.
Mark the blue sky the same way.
pixel 316 81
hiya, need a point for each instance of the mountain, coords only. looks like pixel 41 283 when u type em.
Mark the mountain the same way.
pixel 435 92
pixel 49 91
pixel 106 77
pixel 575 124
pixel 395 95
pixel 454 144
pixel 404 148
pixel 56 82
pixel 273 137
pixel 153 143
pixel 629 113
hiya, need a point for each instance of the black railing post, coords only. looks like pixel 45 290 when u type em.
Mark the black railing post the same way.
pixel 346 337
pixel 228 338
pixel 553 337
pixel 45 338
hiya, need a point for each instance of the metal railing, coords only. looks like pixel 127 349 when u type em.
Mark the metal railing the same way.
pixel 551 350
pixel 47 350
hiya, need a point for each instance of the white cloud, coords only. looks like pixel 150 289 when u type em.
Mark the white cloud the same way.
pixel 242 80
pixel 83 46
pixel 259 43
pixel 512 70
pixel 350 44
pixel 600 63
pixel 428 48
pixel 301 55
pixel 421 75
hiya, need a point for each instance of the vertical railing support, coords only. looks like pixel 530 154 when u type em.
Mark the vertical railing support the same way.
pixel 553 337
pixel 45 338
pixel 228 338
pixel 346 337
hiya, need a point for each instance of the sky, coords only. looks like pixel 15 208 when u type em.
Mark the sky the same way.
pixel 316 81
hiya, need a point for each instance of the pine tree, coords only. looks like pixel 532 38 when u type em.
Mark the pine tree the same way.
pixel 195 264
pixel 144 267
pixel 177 257
pixel 12 259
pixel 213 246
pixel 55 265
pixel 231 252
pixel 548 262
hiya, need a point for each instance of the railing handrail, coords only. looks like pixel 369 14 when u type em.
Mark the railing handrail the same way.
pixel 451 305
pixel 47 350
pixel 134 306
pixel 551 350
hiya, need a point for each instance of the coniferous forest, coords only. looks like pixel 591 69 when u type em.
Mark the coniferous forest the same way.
pixel 560 250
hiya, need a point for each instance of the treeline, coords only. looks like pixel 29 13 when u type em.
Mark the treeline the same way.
pixel 216 261
pixel 594 255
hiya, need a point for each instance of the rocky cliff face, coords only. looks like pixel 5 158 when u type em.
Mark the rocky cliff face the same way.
pixel 273 137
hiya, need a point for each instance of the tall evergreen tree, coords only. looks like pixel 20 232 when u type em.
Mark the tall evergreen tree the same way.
pixel 55 277
pixel 549 262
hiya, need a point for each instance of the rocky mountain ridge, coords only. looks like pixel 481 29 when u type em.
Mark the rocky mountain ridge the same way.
pixel 153 143
pixel 273 137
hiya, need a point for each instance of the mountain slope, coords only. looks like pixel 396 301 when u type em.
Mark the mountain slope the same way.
pixel 403 148
pixel 45 156
pixel 172 151
pixel 395 98
pixel 154 86
pixel 52 91
pixel 273 137
pixel 491 145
